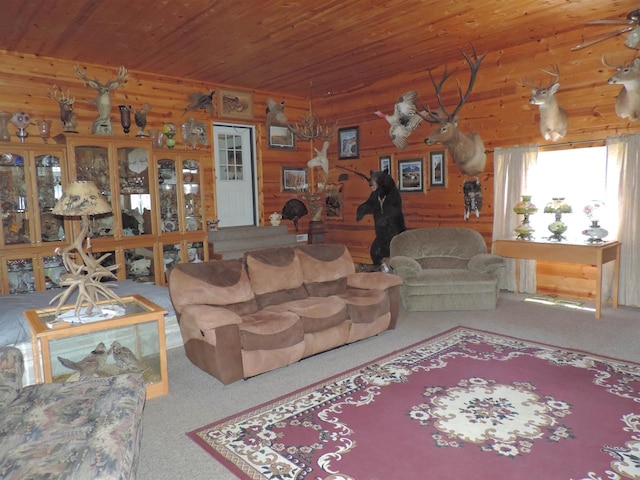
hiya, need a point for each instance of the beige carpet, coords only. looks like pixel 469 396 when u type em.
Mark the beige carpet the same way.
pixel 196 398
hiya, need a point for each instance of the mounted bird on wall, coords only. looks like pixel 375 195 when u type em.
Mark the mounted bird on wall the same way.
pixel 275 113
pixel 201 101
pixel 404 119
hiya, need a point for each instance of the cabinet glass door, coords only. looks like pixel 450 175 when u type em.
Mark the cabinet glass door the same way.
pixel 139 264
pixel 49 186
pixel 53 270
pixel 14 199
pixel 135 197
pixel 92 165
pixel 20 275
pixel 167 185
pixel 191 184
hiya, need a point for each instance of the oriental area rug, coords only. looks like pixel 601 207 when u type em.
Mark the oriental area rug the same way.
pixel 464 404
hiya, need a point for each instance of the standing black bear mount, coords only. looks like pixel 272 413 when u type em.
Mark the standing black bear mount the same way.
pixel 385 204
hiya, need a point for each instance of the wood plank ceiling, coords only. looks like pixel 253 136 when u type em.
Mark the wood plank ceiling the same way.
pixel 288 45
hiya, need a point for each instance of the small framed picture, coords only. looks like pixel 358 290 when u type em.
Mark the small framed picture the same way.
pixel 293 179
pixel 348 143
pixel 281 137
pixel 437 169
pixel 236 104
pixel 385 163
pixel 410 175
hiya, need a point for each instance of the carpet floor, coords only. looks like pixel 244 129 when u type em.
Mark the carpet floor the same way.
pixel 462 402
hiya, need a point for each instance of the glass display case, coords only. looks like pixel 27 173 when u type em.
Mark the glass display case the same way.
pixel 14 199
pixel 131 342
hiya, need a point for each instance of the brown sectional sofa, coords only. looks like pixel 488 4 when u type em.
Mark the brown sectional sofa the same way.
pixel 243 317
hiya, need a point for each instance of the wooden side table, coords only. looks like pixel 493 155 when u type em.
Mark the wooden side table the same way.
pixel 140 328
pixel 586 254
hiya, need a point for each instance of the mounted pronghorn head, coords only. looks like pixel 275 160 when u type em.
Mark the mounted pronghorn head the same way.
pixel 553 119
pixel 628 100
pixel 467 151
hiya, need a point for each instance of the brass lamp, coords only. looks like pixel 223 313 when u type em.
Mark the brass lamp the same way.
pixel 84 272
pixel 557 206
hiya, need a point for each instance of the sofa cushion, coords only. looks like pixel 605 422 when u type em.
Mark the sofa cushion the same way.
pixel 365 306
pixel 316 313
pixel 268 330
pixel 274 270
pixel 325 268
pixel 222 282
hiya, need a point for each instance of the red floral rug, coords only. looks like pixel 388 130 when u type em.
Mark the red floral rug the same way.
pixel 464 404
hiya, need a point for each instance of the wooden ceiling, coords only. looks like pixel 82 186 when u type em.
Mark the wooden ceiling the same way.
pixel 300 47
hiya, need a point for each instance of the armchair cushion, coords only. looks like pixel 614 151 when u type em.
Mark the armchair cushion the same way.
pixel 486 263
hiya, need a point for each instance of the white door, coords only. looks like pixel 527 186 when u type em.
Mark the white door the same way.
pixel 235 181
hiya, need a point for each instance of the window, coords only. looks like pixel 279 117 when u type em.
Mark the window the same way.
pixel 579 175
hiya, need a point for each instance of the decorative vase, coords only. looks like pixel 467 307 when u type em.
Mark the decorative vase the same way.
pixel 44 127
pixel 169 129
pixel 21 120
pixel 5 136
pixel 275 218
pixel 595 233
pixel 525 207
pixel 125 118
pixel 557 206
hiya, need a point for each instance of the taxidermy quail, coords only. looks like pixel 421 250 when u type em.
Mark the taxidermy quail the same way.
pixel 125 359
pixel 89 364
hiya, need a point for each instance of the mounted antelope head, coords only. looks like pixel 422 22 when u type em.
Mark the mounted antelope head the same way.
pixel 628 100
pixel 102 124
pixel 553 118
pixel 467 150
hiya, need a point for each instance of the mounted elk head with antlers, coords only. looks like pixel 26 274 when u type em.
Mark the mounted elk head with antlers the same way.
pixel 628 100
pixel 467 150
pixel 553 118
pixel 102 124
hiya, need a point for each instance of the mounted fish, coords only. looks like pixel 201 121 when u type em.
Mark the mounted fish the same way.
pixel 201 101
pixel 404 119
pixel 553 118
pixel 467 150
pixel 628 100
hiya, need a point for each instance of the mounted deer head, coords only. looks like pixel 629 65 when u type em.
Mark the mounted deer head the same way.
pixel 102 124
pixel 628 100
pixel 65 102
pixel 467 151
pixel 553 118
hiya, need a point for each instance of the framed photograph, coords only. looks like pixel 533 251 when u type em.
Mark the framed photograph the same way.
pixel 333 201
pixel 348 143
pixel 281 137
pixel 410 175
pixel 236 104
pixel 437 169
pixel 293 178
pixel 385 163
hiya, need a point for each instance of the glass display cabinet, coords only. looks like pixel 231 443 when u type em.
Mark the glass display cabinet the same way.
pixel 131 342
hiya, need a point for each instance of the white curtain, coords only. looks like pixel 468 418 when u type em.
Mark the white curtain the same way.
pixel 511 167
pixel 623 180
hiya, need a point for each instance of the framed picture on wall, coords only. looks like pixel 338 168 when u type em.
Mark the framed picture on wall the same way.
pixel 437 169
pixel 410 175
pixel 236 104
pixel 385 163
pixel 348 143
pixel 293 179
pixel 281 137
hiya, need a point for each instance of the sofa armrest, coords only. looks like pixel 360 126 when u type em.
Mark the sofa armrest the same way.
pixel 209 317
pixel 404 266
pixel 373 280
pixel 486 263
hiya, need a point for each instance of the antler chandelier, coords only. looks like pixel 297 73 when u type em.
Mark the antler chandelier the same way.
pixel 309 127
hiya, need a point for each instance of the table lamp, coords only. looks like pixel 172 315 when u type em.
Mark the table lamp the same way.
pixel 557 206
pixel 525 207
pixel 81 199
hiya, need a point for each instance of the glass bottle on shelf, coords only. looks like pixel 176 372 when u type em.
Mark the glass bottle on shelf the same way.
pixel 135 197
pixel 14 195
